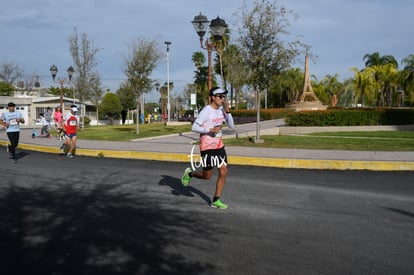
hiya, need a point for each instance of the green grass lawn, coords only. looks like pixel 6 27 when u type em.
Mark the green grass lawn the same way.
pixel 359 141
pixel 128 132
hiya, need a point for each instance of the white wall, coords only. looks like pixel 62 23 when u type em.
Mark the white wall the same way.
pixel 23 109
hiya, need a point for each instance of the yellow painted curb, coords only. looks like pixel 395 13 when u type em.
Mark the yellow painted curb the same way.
pixel 238 160
pixel 324 164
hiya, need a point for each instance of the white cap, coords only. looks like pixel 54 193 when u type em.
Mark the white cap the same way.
pixel 74 109
pixel 216 91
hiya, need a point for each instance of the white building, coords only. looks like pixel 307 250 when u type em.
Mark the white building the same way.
pixel 32 103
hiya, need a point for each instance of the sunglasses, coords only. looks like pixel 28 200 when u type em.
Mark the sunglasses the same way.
pixel 221 96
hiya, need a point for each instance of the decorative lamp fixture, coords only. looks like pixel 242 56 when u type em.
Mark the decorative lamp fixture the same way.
pixel 200 23
pixel 70 71
pixel 53 70
pixel 218 28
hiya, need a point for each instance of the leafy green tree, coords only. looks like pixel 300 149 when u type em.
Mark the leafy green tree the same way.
pixel 67 92
pixel 6 89
pixel 110 107
pixel 84 58
pixel 127 97
pixel 264 38
pixel 236 70
pixel 144 56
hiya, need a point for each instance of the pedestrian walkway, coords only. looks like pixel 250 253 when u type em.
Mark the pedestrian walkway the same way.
pixel 181 147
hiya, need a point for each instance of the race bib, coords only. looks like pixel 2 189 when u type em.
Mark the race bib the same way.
pixel 13 122
pixel 72 123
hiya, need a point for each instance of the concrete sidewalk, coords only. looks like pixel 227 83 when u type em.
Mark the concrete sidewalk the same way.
pixel 179 148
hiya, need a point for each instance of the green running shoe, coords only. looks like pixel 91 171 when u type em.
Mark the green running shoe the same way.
pixel 218 204
pixel 185 180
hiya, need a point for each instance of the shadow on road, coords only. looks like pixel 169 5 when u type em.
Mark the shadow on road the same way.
pixel 400 211
pixel 95 229
pixel 179 190
pixel 21 155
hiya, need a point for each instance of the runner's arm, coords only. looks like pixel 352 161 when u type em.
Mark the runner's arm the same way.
pixel 21 119
pixel 229 120
pixel 198 129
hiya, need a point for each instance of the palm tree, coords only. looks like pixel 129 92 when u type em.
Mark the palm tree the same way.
pixel 347 93
pixel 387 78
pixel 364 84
pixel 201 77
pixel 407 76
pixel 199 59
pixel 333 87
pixel 376 59
pixel 201 82
pixel 383 65
pixel 372 59
pixel 285 88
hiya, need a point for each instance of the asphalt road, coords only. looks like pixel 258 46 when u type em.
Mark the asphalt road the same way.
pixel 111 216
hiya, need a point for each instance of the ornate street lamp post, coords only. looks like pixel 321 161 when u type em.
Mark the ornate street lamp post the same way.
pixel 53 70
pixel 168 43
pixel 217 27
pixel 157 87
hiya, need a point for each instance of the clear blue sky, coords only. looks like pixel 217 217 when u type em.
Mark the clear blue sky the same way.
pixel 34 34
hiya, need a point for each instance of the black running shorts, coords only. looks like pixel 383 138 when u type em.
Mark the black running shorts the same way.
pixel 213 158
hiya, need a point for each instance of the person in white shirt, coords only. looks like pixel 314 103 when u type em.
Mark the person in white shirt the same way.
pixel 209 124
pixel 11 120
pixel 45 125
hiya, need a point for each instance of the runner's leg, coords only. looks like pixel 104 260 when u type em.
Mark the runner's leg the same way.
pixel 14 142
pixel 221 180
pixel 72 145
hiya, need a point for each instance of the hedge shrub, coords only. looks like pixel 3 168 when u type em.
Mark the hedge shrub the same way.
pixel 247 116
pixel 351 117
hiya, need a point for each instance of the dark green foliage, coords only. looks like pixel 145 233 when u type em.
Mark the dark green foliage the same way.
pixel 265 114
pixel 397 117
pixel 6 89
pixel 87 120
pixel 247 116
pixel 351 117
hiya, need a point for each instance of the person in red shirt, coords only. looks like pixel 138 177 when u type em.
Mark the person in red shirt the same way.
pixel 57 117
pixel 71 125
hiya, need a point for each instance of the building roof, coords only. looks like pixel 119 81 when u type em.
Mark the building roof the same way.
pixel 36 100
pixel 4 100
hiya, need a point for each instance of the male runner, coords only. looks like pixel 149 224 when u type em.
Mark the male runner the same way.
pixel 209 123
pixel 11 120
pixel 71 125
